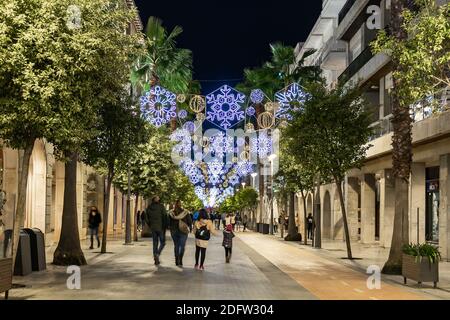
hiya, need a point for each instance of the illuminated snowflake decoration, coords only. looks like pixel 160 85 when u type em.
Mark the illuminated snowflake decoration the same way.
pixel 222 144
pixel 244 168
pixel 289 100
pixel 224 107
pixel 257 96
pixel 189 126
pixel 214 179
pixel 215 168
pixel 196 178
pixel 261 145
pixel 158 106
pixel 250 111
pixel 234 180
pixel 182 114
pixel 190 168
pixel 184 141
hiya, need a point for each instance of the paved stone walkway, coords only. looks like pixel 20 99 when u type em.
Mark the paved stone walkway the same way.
pixel 128 273
pixel 262 267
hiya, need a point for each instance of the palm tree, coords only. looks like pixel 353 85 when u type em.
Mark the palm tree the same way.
pixel 282 70
pixel 162 63
pixel 401 153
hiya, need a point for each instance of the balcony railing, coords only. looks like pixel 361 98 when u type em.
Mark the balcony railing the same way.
pixel 357 64
pixel 422 110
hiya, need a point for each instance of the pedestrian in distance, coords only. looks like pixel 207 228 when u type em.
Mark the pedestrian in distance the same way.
pixel 275 225
pixel 218 219
pixel 203 229
pixel 310 225
pixel 157 219
pixel 227 242
pixel 138 220
pixel 94 221
pixel 224 218
pixel 233 221
pixel 245 222
pixel 180 224
pixel 227 220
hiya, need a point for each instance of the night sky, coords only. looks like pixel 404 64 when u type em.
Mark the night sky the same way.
pixel 228 36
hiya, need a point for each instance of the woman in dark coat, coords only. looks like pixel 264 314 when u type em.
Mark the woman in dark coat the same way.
pixel 94 222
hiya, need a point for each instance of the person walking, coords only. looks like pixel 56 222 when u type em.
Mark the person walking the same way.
pixel 227 220
pixel 245 222
pixel 224 218
pixel 180 224
pixel 310 225
pixel 233 221
pixel 218 219
pixel 275 225
pixel 227 242
pixel 157 219
pixel 94 221
pixel 203 229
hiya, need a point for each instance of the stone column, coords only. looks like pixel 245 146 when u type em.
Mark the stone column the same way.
pixel 352 190
pixel 444 206
pixel 387 207
pixel 368 208
pixel 417 202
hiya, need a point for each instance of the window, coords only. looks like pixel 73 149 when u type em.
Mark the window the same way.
pixel 355 44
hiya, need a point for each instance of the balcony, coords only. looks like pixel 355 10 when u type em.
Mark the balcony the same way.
pixel 356 64
pixel 334 55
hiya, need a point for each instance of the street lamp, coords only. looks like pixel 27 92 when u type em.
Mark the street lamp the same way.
pixel 271 158
pixel 243 185
pixel 254 174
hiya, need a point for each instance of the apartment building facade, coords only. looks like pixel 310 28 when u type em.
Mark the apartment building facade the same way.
pixel 341 38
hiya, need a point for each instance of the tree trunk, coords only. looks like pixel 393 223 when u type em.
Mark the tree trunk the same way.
pixel 317 232
pixel 128 213
pixel 19 218
pixel 135 233
pixel 401 152
pixel 305 214
pixel 344 218
pixel 293 234
pixel 69 250
pixel 106 214
pixel 400 236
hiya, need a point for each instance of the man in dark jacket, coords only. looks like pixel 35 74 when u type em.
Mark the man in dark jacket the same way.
pixel 157 219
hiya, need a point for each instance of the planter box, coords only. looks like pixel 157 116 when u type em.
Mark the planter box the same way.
pixel 265 228
pixel 5 275
pixel 420 271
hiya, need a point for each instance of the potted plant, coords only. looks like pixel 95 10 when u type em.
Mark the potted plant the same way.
pixel 421 263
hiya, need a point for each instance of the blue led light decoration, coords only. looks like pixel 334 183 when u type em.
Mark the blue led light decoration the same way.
pixel 250 111
pixel 290 99
pixel 222 144
pixel 261 145
pixel 257 96
pixel 224 107
pixel 158 106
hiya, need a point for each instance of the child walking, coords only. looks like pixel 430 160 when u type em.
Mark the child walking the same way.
pixel 227 243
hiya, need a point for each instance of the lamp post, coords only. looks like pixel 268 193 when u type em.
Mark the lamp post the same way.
pixel 272 158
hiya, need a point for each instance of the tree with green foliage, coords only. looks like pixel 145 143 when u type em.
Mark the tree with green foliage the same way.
pixel 119 130
pixel 296 174
pixel 54 76
pixel 419 47
pixel 333 129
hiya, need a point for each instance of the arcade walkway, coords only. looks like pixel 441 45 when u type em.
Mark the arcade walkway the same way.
pixel 263 267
